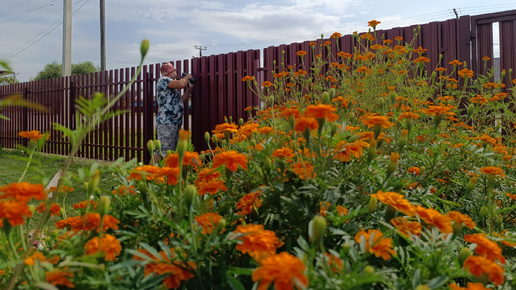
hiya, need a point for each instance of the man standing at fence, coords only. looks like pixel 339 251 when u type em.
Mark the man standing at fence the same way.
pixel 170 107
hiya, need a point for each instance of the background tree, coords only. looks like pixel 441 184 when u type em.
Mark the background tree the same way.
pixel 10 79
pixel 54 70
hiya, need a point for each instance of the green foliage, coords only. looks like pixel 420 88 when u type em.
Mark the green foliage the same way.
pixel 55 70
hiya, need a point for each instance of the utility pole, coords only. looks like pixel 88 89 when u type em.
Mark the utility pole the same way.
pixel 67 38
pixel 200 48
pixel 102 35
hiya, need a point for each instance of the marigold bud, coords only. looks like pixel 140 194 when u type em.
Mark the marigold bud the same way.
pixel 190 195
pixel 241 122
pixel 457 228
pixel 373 202
pixel 144 47
pixel 317 229
pixel 104 204
pixel 207 137
pixel 471 184
pixel 325 97
pixel 463 255
pixel 157 144
pixel 221 225
pixel 470 109
pixel 484 211
pixel 267 164
pixel 403 140
pixel 215 139
pixel 499 220
pixel 368 270
pixel 150 146
pixel 371 151
pixel 423 287
pixel 390 212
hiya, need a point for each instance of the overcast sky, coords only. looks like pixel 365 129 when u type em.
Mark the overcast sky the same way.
pixel 31 30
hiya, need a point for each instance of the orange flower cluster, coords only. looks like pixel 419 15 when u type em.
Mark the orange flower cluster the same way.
pixel 396 200
pixel 14 198
pixel 406 227
pixel 486 247
pixel 460 218
pixel 432 217
pixel 156 173
pixel 256 241
pixel 248 202
pixel 55 209
pixel 373 121
pixel 189 159
pixel 470 286
pixel 344 151
pixel 178 270
pixel 33 135
pixel 303 169
pixel 492 170
pixel 285 270
pixel 438 110
pixel 376 244
pixel 479 266
pixel 31 260
pixel 321 111
pixel 231 159
pixel 60 277
pixel 87 223
pixel 108 244
pixel 302 123
pixel 208 221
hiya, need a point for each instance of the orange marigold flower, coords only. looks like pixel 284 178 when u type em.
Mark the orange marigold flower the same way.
pixel 376 244
pixel 396 200
pixel 283 152
pixel 14 211
pixel 292 111
pixel 207 174
pixel 414 171
pixel 432 217
pixel 225 127
pixel 465 73
pixel 479 266
pixel 60 277
pixel 437 110
pixel 72 223
pixel 334 262
pixel 267 84
pixel 321 111
pixel 108 244
pixel 336 35
pixel 406 227
pixel 458 217
pixel 372 121
pixel 247 78
pixel 284 269
pixel 231 159
pixel 421 59
pixel 92 221
pixel 208 221
pixel 34 135
pixel 23 191
pixel 486 247
pixel 301 53
pixel 373 23
pixel 408 115
pixel 341 211
pixel 248 202
pixel 344 151
pixel 303 122
pixel 211 186
pixel 55 209
pixel 84 204
pixel 455 62
pixel 478 99
pixel 31 260
pixel 303 169
pixel 189 158
pixel 256 241
pixel 149 172
pixel 492 170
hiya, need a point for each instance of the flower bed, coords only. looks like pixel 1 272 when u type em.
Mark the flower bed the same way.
pixel 371 172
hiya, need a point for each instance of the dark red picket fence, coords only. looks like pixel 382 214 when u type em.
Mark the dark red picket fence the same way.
pixel 220 91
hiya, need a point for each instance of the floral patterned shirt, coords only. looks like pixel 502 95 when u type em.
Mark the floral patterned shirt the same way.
pixel 170 105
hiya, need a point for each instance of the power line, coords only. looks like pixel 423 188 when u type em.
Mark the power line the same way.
pixel 41 35
pixel 32 20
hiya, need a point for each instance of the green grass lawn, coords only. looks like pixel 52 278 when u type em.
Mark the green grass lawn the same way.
pixel 43 167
